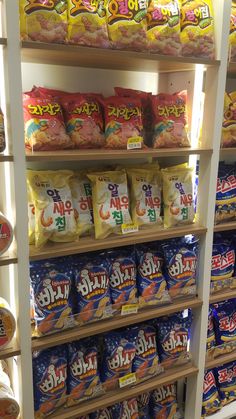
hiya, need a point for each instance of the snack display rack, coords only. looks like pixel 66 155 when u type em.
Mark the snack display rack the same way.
pixel 74 68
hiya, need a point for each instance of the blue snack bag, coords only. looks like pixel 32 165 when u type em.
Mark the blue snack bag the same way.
pixel 163 402
pixel 51 286
pixel 83 375
pixel 225 208
pixel 210 399
pixel 129 409
pixel 226 382
pixel 181 264
pixel 222 263
pixel 111 412
pixel 211 339
pixel 152 287
pixel 49 379
pixel 143 405
pixel 92 289
pixel 225 321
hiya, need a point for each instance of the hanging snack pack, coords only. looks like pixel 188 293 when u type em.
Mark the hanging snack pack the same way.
pixel 226 382
pixel 143 405
pixel 228 138
pixel 197 28
pixel 163 403
pixel 2 133
pixel 178 196
pixel 163 27
pixel 211 399
pixel 152 287
pixel 44 124
pixel 232 33
pixel 145 187
pixel 170 121
pixel 211 338
pixel 49 378
pixel 84 121
pixel 225 322
pixel 7 324
pixel 110 202
pixel 87 23
pixel 181 263
pixel 83 376
pixel 54 212
pixel 225 193
pixel 6 234
pixel 222 263
pixel 146 362
pixel 43 21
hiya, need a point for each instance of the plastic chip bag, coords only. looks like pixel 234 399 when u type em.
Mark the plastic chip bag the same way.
pixel 222 263
pixel 31 215
pixel 226 382
pixel 228 138
pixel 211 338
pixel 232 33
pixel 211 399
pixel 146 363
pixel 163 403
pixel 225 209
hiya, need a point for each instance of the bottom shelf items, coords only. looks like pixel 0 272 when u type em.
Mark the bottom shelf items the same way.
pixel 227 412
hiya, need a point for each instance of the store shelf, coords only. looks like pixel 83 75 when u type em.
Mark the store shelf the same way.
pixel 228 150
pixel 72 55
pixel 227 412
pixel 7 259
pixel 113 397
pixel 89 244
pixel 6 157
pixel 12 350
pixel 223 295
pixel 231 225
pixel 221 360
pixel 112 324
pixel 3 41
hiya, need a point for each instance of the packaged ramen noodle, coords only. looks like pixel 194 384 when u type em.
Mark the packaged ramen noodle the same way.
pixel 54 212
pixel 232 33
pixel 87 23
pixel 210 399
pixel 197 28
pixel 123 122
pixel 225 209
pixel 6 234
pixel 110 202
pixel 170 120
pixel 228 138
pixel 178 196
pixel 163 27
pixel 43 21
pixel 126 24
pixel 31 215
pixel 81 191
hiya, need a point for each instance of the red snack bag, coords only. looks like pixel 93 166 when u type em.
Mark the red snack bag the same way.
pixel 84 121
pixel 170 120
pixel 45 92
pixel 44 125
pixel 123 122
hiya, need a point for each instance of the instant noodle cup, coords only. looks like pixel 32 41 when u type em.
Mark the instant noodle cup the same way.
pixel 6 234
pixel 210 399
pixel 110 202
pixel 178 196
pixel 87 23
pixel 31 215
pixel 163 402
pixel 197 28
pixel 228 138
pixel 123 123
pixel 170 120
pixel 43 21
pixel 225 209
pixel 9 407
pixel 54 212
pixel 44 125
pixel 163 27
pixel 232 33
pixel 7 324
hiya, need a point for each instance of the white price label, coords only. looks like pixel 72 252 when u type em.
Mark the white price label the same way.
pixel 127 380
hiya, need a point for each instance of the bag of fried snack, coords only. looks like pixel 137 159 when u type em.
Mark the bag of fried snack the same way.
pixel 43 21
pixel 197 28
pixel 31 215
pixel 232 33
pixel 163 27
pixel 228 138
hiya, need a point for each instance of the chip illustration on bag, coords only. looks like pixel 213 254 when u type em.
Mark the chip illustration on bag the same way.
pixel 225 321
pixel 146 362
pixel 226 382
pixel 222 263
pixel 211 399
pixel 225 209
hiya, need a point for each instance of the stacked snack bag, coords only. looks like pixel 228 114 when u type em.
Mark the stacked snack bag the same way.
pixel 223 262
pixel 228 138
pixel 225 209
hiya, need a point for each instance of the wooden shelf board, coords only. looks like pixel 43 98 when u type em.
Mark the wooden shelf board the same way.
pixel 6 157
pixel 228 150
pixel 85 244
pixel 77 155
pixel 113 323
pixel 113 397
pixel 231 225
pixel 223 295
pixel 7 259
pixel 12 350
pixel 73 55
pixel 221 360
pixel 3 41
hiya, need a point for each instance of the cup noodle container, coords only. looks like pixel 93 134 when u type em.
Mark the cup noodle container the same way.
pixel 6 234
pixel 7 324
pixel 9 408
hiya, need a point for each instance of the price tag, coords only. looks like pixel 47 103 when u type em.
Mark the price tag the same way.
pixel 134 143
pixel 127 380
pixel 129 228
pixel 129 309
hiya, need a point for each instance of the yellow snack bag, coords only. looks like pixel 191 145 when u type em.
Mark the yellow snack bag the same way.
pixel 54 212
pixel 87 23
pixel 145 186
pixel 232 33
pixel 31 215
pixel 163 27
pixel 228 138
pixel 197 28
pixel 178 196
pixel 110 202
pixel 43 21
pixel 81 190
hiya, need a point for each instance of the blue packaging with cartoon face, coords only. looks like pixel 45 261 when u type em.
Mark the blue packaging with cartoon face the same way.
pixel 225 208
pixel 210 399
pixel 146 362
pixel 226 382
pixel 225 321
pixel 222 263
pixel 163 402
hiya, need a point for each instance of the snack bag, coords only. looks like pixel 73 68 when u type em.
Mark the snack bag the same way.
pixel 146 362
pixel 81 191
pixel 43 21
pixel 87 23
pixel 129 410
pixel 122 282
pixel 118 356
pixel 197 29
pixel 225 193
pixel 49 379
pixel 152 287
pixel 46 92
pixel 181 265
pixel 225 321
pixel 110 202
pixel 228 138
pixel 163 27
pixel 44 125
pixel 143 405
pixel 127 24
pixel 173 335
pixel 178 196
pixel 31 215
pixel 83 376
pixel 232 33
pixel 210 399
pixel 145 187
pixel 226 382
pixel 51 283
pixel 54 212
pixel 84 121
pixel 92 289
pixel 211 338
pixel 222 263
pixel 163 403
pixel 111 412
pixel 170 120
